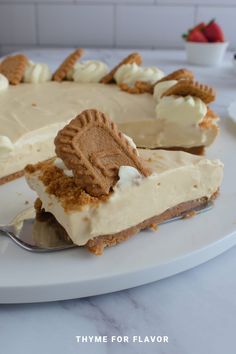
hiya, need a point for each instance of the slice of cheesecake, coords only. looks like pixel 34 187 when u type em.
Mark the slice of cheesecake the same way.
pixel 144 191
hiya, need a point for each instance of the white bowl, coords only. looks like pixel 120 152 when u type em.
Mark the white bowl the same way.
pixel 234 64
pixel 207 54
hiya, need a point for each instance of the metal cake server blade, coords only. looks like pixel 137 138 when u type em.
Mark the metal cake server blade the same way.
pixel 39 237
pixel 32 235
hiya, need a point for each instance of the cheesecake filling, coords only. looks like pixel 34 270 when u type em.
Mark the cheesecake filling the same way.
pixel 32 147
pixel 177 177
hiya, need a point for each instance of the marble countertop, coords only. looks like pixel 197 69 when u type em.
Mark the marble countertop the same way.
pixel 196 309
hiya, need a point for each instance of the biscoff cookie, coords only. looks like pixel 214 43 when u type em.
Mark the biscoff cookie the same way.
pixel 13 67
pixel 93 148
pixel 130 59
pixel 188 87
pixel 144 87
pixel 181 74
pixel 138 88
pixel 129 89
pixel 67 65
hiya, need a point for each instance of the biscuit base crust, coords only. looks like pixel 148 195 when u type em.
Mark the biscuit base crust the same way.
pixel 11 177
pixel 99 243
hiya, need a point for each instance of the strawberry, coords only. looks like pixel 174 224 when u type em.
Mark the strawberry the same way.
pixel 213 32
pixel 200 26
pixel 196 36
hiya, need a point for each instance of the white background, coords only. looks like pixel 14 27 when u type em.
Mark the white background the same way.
pixel 108 23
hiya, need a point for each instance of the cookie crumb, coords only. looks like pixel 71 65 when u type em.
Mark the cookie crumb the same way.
pixel 153 227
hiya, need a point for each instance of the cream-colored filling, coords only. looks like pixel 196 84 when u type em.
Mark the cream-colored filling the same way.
pixel 177 177
pixel 26 108
pixel 31 115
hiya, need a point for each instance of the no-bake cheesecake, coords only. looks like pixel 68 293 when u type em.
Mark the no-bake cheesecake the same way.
pixel 157 111
pixel 100 189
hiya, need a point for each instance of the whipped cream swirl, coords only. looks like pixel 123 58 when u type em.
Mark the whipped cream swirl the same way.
pixel 182 110
pixel 130 73
pixel 88 71
pixel 4 83
pixel 37 72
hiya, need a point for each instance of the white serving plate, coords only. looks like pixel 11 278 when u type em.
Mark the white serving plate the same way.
pixel 147 257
